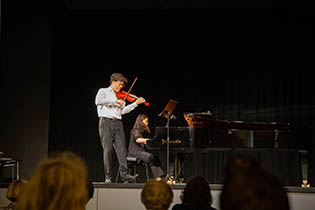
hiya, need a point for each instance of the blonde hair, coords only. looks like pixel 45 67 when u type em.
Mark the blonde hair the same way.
pixel 156 195
pixel 59 183
pixel 15 190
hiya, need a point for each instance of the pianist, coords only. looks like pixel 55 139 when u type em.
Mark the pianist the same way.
pixel 136 146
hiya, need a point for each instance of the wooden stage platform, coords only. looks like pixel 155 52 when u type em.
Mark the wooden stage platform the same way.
pixel 127 196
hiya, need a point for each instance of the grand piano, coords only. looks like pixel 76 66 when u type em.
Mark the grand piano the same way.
pixel 204 133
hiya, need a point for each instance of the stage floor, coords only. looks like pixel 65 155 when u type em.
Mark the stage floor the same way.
pixel 179 186
pixel 127 196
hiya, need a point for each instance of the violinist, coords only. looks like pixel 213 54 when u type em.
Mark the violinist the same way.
pixel 110 110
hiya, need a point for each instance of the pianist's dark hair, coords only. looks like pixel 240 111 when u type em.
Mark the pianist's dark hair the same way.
pixel 139 123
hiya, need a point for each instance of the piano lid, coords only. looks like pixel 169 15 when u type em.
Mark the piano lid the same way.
pixel 198 119
pixel 206 120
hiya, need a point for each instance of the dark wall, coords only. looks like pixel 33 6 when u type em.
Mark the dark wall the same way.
pixel 181 4
pixel 25 81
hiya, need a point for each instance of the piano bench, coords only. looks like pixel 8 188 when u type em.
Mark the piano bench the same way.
pixel 132 163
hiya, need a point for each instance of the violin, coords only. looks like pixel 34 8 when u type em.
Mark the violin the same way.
pixel 130 97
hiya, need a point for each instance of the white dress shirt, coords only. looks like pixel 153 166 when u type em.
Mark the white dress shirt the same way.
pixel 105 101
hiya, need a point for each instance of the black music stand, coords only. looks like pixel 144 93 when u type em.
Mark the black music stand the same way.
pixel 168 114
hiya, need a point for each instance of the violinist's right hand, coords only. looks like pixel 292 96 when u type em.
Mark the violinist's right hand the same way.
pixel 121 102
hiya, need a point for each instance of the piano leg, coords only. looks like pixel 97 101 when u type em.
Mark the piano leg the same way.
pixel 179 167
pixel 180 160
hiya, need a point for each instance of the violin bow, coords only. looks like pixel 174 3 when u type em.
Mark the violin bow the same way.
pixel 131 88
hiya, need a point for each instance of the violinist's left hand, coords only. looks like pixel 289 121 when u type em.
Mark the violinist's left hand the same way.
pixel 140 100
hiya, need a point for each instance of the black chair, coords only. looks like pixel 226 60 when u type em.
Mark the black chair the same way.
pixel 132 164
pixel 6 162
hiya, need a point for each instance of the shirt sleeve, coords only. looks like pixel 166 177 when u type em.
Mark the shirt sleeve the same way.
pixel 136 134
pixel 129 108
pixel 103 99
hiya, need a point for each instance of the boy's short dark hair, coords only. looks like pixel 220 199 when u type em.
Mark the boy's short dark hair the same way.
pixel 118 77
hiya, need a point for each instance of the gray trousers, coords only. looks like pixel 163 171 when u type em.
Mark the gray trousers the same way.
pixel 112 136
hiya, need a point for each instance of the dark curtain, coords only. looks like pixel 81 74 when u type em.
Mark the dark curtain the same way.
pixel 283 164
pixel 261 81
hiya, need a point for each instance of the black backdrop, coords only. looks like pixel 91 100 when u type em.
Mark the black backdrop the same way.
pixel 240 64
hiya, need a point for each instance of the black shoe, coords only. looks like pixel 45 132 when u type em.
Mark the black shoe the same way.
pixel 129 178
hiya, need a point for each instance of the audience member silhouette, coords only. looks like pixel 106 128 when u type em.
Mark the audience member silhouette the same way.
pixel 14 192
pixel 196 195
pixel 90 189
pixel 60 182
pixel 253 190
pixel 156 195
pixel 240 162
